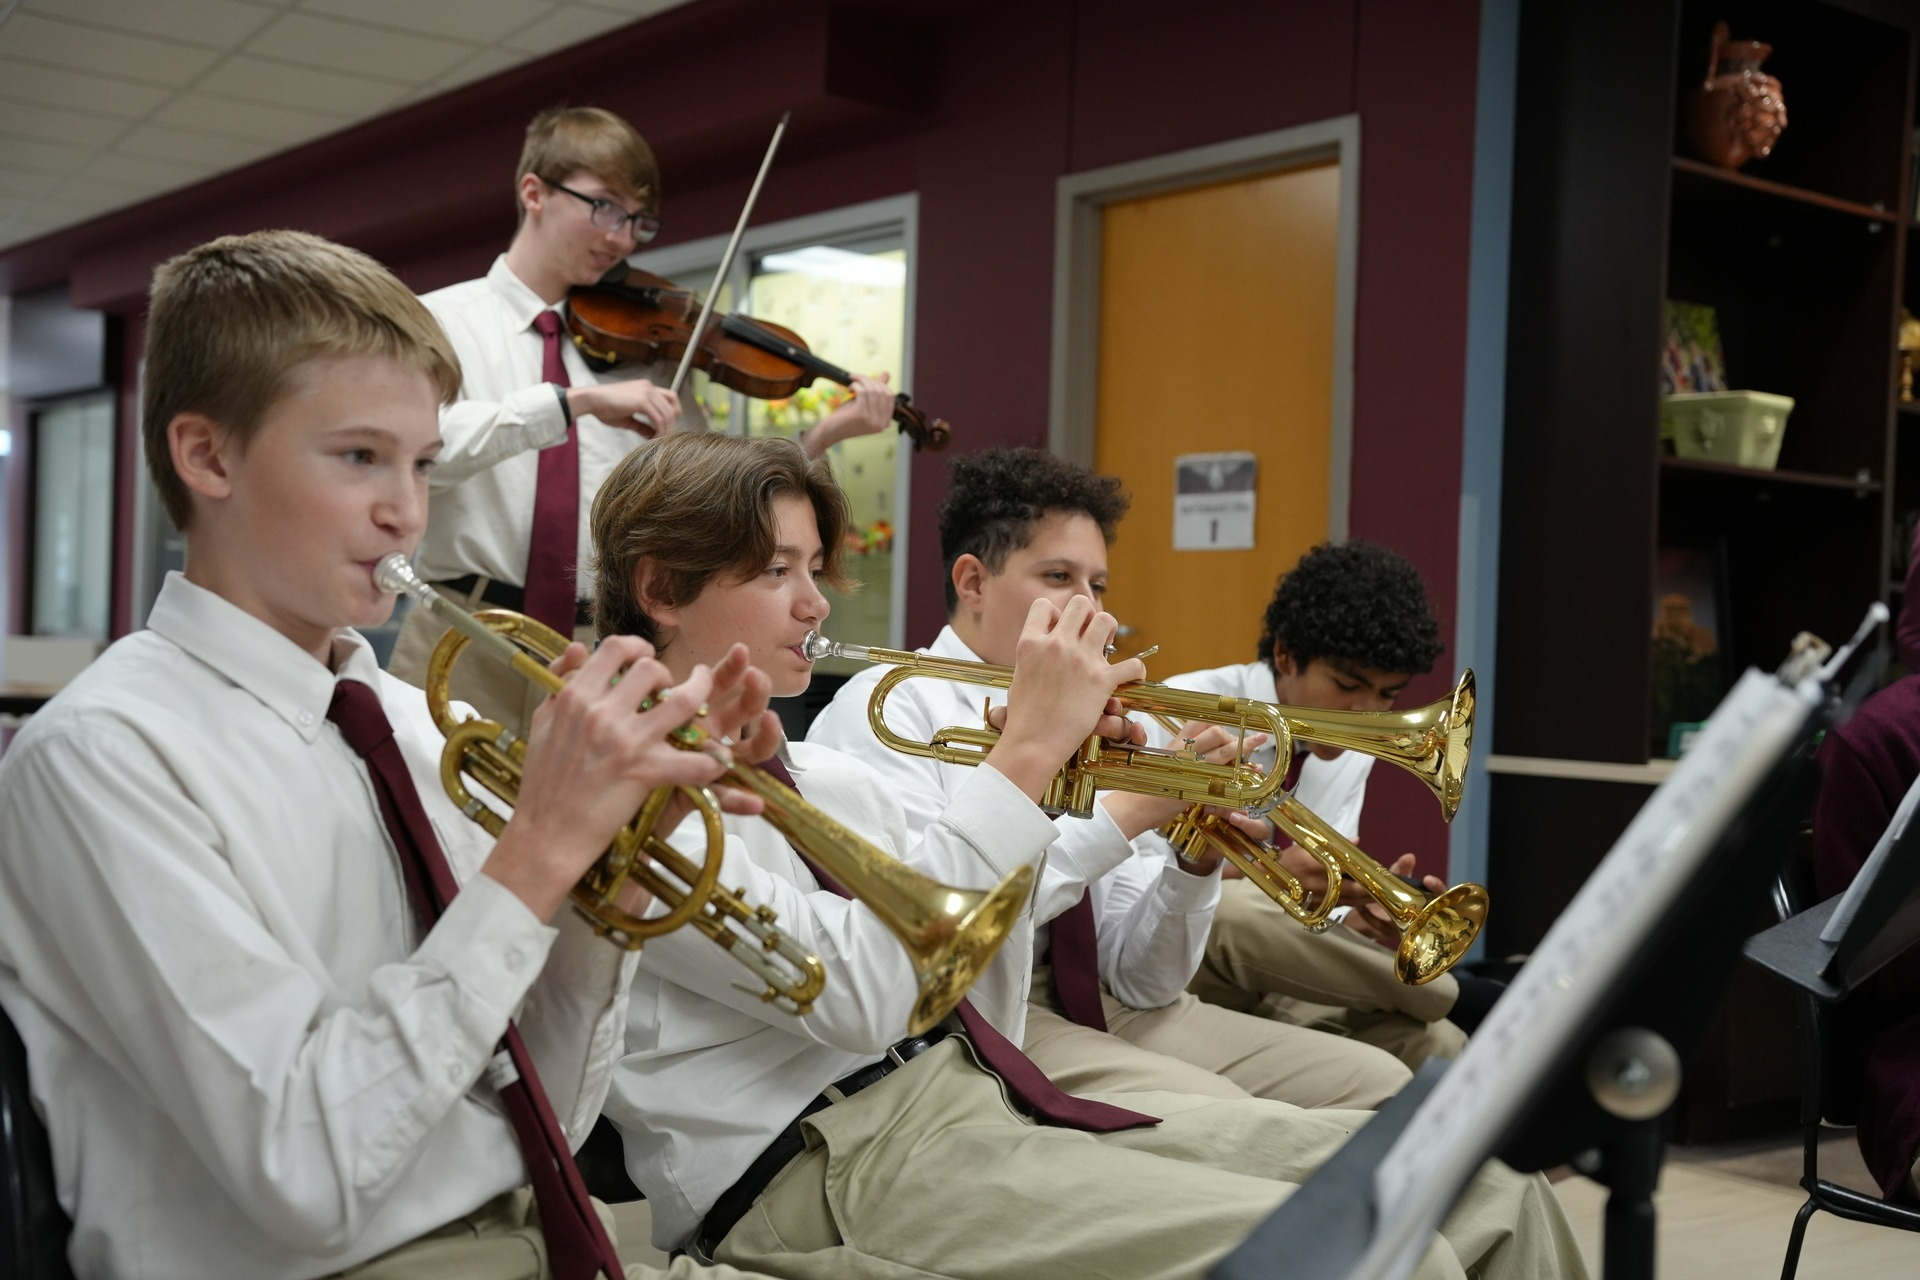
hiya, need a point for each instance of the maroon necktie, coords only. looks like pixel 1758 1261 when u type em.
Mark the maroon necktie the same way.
pixel 1074 953
pixel 555 543
pixel 1047 1100
pixel 577 1244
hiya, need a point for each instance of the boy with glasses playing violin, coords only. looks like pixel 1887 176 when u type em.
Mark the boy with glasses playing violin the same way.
pixel 829 1145
pixel 287 1011
pixel 533 430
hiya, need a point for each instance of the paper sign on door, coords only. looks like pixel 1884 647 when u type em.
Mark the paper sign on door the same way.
pixel 1213 502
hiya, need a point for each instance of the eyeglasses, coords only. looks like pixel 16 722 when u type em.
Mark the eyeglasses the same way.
pixel 608 216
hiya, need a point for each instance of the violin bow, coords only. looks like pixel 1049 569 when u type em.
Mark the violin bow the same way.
pixel 726 259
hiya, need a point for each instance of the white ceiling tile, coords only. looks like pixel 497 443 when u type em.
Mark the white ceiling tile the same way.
pixel 485 63
pixel 24 182
pixel 563 27
pixel 158 142
pixel 67 44
pixel 55 124
pixel 349 46
pixel 219 24
pixel 98 193
pixel 288 86
pixel 236 119
pixel 58 87
pixel 151 176
pixel 44 157
pixel 465 20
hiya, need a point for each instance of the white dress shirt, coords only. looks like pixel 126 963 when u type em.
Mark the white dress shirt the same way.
pixel 1334 789
pixel 481 519
pixel 249 1062
pixel 1150 917
pixel 712 1073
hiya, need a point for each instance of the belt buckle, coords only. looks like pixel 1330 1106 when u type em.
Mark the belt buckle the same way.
pixel 893 1052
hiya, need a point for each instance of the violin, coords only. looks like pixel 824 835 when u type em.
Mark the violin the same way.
pixel 634 315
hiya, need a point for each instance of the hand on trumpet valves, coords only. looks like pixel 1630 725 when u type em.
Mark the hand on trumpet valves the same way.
pixel 737 720
pixel 1215 743
pixel 592 756
pixel 1061 692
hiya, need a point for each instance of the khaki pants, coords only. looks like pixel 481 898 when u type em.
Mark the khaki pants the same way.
pixel 501 1241
pixel 494 691
pixel 1259 961
pixel 1197 1048
pixel 931 1173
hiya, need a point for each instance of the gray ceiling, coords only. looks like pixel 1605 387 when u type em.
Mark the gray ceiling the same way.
pixel 105 103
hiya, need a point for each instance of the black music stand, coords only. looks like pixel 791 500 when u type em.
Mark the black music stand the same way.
pixel 1596 1097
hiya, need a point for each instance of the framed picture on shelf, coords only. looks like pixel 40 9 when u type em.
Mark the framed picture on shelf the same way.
pixel 1689 633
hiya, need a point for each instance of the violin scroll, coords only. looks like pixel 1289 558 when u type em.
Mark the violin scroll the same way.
pixel 932 434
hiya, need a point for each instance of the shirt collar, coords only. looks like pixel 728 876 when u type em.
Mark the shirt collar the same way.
pixel 1260 683
pixel 522 303
pixel 255 657
pixel 948 644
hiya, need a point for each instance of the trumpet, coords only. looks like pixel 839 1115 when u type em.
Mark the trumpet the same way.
pixel 1435 929
pixel 494 757
pixel 1434 743
pixel 950 934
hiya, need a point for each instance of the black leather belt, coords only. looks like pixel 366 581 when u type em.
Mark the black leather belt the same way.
pixel 504 595
pixel 738 1198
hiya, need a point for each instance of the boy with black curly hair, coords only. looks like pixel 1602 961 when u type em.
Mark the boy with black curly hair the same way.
pixel 1122 937
pixel 1348 627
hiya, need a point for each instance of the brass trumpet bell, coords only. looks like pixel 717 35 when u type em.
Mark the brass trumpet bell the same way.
pixel 951 935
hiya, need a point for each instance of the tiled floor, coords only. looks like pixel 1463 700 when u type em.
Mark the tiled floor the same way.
pixel 1724 1214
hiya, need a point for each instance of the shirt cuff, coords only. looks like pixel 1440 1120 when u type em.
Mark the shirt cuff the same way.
pixel 998 819
pixel 490 943
pixel 540 413
pixel 1183 893
pixel 584 961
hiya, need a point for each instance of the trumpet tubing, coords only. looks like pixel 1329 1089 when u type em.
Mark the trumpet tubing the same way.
pixel 950 934
pixel 494 758
pixel 1433 742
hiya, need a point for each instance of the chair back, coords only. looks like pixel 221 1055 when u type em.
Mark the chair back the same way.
pixel 1831 1061
pixel 33 1227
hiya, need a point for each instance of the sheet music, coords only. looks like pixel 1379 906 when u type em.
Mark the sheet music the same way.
pixel 1580 958
pixel 1856 893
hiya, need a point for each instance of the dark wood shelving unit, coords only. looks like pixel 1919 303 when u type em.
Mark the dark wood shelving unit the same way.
pixel 1803 256
pixel 1687 170
pixel 1756 475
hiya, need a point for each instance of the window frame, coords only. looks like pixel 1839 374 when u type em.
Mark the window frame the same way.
pixel 891 215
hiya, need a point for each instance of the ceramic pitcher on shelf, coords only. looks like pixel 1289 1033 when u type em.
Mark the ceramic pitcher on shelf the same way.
pixel 1738 113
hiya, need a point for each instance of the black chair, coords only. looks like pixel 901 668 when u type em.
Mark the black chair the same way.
pixel 33 1228
pixel 1829 1083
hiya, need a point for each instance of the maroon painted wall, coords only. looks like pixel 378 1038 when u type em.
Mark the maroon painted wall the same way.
pixel 979 107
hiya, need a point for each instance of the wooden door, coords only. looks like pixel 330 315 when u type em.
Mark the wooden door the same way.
pixel 1216 334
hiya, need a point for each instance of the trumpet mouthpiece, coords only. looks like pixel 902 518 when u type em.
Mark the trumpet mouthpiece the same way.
pixel 393 573
pixel 817 646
